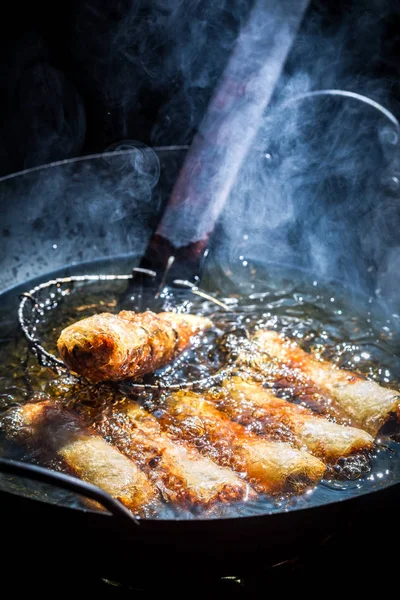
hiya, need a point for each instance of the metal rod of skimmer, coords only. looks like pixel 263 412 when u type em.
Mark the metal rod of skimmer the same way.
pixel 30 303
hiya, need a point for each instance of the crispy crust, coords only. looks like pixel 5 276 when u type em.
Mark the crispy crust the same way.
pixel 128 345
pixel 184 476
pixel 269 466
pixel 367 404
pixel 59 432
pixel 260 411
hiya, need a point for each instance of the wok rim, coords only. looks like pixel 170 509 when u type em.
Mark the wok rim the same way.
pixel 226 519
pixel 88 157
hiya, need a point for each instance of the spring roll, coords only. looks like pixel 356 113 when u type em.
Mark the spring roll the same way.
pixel 127 345
pixel 260 411
pixel 183 475
pixel 292 384
pixel 269 466
pixel 58 432
pixel 368 404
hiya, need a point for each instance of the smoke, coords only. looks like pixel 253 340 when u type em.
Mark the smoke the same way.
pixel 80 211
pixel 153 65
pixel 317 189
pixel 148 69
pixel 316 192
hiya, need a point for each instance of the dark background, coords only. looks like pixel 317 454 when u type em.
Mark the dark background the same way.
pixel 79 76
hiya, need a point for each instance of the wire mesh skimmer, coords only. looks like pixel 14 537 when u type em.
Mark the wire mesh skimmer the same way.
pixel 48 296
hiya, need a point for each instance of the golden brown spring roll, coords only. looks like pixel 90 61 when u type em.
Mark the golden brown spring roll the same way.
pixel 60 433
pixel 127 345
pixel 367 403
pixel 183 475
pixel 269 466
pixel 293 384
pixel 259 410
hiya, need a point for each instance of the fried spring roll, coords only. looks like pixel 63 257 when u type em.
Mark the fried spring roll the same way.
pixel 259 410
pixel 127 345
pixel 184 476
pixel 368 404
pixel 293 384
pixel 60 433
pixel 269 466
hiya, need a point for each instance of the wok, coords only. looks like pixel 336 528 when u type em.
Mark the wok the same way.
pixel 101 209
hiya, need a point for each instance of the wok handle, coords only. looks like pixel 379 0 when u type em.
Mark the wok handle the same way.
pixel 179 245
pixel 71 484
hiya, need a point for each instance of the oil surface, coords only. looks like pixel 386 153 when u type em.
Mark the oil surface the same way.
pixel 340 327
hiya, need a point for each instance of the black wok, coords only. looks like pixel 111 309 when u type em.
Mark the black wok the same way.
pixel 104 208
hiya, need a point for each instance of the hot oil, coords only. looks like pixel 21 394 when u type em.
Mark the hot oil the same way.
pixel 338 326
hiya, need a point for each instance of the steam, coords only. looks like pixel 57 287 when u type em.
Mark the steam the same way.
pixel 315 193
pixel 155 58
pixel 80 211
pixel 234 116
pixel 318 188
